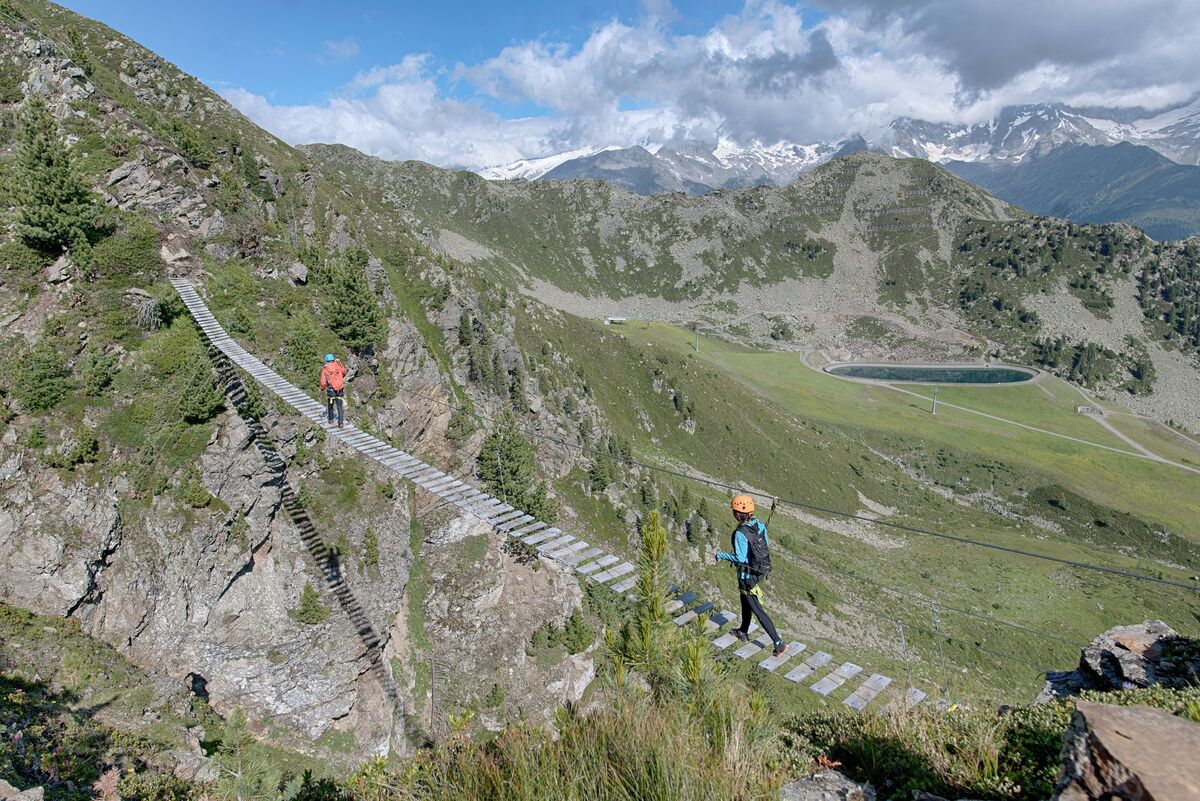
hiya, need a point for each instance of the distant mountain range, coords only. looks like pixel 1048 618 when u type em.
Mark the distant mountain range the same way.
pixel 1098 184
pixel 1089 165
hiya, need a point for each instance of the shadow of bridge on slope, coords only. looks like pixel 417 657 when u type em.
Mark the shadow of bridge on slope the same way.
pixel 324 557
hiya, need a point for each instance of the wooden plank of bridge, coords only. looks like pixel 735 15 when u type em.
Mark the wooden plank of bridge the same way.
pixel 555 544
pixel 612 573
pixel 560 553
pixel 837 678
pixel 692 614
pixel 867 691
pixel 625 584
pixel 591 567
pixel 718 620
pixel 802 671
pixel 541 536
pixel 524 530
pixel 754 646
pixel 772 662
pixel 579 558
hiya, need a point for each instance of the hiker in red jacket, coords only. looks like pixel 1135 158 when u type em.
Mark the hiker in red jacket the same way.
pixel 333 381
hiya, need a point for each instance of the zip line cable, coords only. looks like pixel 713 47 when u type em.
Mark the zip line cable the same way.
pixel 1115 571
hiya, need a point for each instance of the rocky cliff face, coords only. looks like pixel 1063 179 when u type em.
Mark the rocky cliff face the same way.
pixel 199 576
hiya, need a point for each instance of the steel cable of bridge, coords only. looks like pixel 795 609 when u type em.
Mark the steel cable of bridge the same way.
pixel 1115 571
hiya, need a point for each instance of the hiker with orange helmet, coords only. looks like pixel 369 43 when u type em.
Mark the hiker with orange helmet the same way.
pixel 333 382
pixel 752 557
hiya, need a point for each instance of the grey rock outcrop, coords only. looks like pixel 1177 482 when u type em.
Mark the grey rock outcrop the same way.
pixel 298 273
pixel 1122 658
pixel 10 793
pixel 826 785
pixel 1135 753
pixel 59 80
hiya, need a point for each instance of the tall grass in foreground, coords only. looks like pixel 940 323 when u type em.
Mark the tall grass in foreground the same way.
pixel 672 728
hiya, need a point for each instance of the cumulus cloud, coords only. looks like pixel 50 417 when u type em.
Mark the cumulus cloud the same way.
pixel 770 72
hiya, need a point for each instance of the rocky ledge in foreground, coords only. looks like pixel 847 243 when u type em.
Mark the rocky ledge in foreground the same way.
pixel 1128 657
pixel 1134 752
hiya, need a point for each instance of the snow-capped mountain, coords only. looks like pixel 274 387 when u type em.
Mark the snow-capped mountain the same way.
pixel 1021 131
pixel 1017 134
pixel 532 169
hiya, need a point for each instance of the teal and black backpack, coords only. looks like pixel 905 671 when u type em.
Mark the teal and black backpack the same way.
pixel 758 556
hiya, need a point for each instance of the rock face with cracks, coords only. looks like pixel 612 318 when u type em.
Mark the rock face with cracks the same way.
pixel 1121 658
pixel 1135 753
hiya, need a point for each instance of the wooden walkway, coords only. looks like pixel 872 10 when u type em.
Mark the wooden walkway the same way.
pixel 597 564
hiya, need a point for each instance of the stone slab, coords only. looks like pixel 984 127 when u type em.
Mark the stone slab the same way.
pixel 754 646
pixel 772 662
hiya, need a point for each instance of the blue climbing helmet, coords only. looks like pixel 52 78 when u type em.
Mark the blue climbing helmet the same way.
pixel 329 357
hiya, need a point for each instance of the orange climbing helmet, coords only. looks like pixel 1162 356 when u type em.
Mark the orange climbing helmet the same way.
pixel 743 503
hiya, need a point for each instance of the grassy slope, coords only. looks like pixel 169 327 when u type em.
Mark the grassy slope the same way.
pixel 805 435
pixel 1156 492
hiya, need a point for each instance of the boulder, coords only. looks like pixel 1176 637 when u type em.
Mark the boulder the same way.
pixel 298 272
pixel 61 270
pixel 1134 752
pixel 826 785
pixel 1122 658
pixel 10 793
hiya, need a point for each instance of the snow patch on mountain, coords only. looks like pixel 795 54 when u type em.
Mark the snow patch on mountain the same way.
pixel 532 169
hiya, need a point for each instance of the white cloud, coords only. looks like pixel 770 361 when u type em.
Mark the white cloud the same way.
pixel 763 73
pixel 336 50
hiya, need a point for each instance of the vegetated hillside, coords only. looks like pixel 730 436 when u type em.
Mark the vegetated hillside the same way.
pixel 1099 184
pixel 138 501
pixel 137 498
pixel 866 255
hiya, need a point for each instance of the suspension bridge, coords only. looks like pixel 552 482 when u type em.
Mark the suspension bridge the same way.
pixel 818 671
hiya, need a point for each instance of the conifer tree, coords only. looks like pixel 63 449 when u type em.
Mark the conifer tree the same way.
pixel 56 209
pixel 506 466
pixel 466 334
pixel 499 375
pixel 243 773
pixel 311 611
pixel 353 311
pixel 517 389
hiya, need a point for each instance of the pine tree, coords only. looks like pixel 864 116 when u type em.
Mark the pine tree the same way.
pixel 310 611
pixel 370 547
pixel 243 773
pixel 353 311
pixel 200 399
pixel 577 634
pixel 466 332
pixel 79 52
pixel 44 379
pixel 56 209
pixel 474 373
pixel 517 390
pixel 499 375
pixel 506 466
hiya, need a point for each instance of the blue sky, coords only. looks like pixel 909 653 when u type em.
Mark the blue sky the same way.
pixel 476 84
pixel 301 52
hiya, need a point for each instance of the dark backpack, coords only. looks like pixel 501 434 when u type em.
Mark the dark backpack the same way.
pixel 757 555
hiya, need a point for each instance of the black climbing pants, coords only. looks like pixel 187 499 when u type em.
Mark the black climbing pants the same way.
pixel 752 605
pixel 336 397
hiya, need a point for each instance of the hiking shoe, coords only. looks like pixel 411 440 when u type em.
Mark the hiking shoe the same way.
pixel 741 635
pixel 779 649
